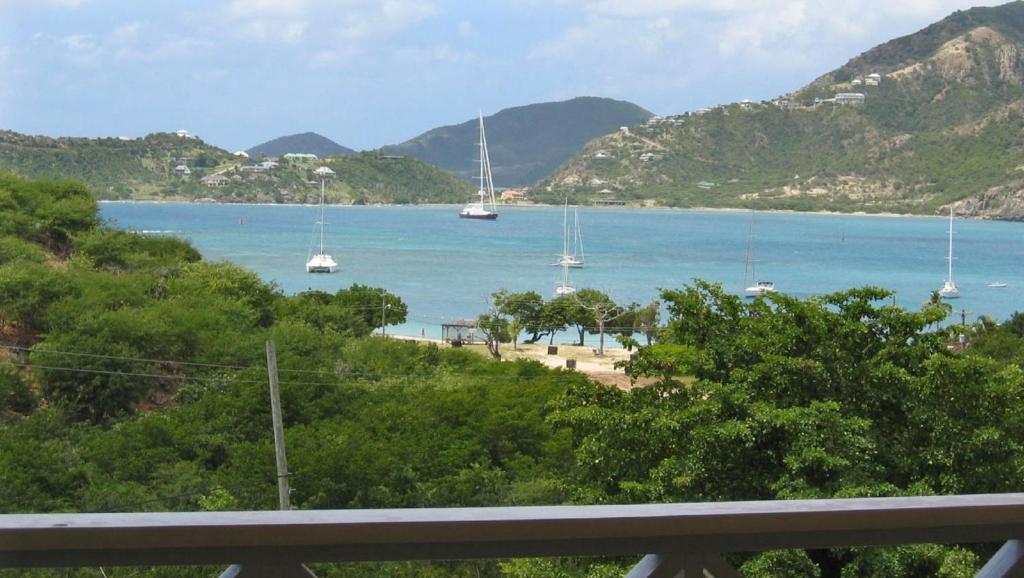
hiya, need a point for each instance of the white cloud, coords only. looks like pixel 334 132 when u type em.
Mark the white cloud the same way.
pixel 36 4
pixel 435 53
pixel 734 29
pixel 80 42
pixel 466 29
pixel 323 22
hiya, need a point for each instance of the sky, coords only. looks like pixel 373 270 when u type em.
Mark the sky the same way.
pixel 368 73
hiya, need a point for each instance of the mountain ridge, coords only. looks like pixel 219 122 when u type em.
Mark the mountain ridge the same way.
pixel 910 126
pixel 526 143
pixel 300 143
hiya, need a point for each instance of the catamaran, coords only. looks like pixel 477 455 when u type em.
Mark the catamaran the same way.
pixel 486 207
pixel 757 288
pixel 321 262
pixel 949 289
pixel 575 258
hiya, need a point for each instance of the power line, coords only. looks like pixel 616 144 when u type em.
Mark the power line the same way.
pixel 17 349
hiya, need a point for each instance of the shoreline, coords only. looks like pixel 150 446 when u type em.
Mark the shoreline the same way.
pixel 528 206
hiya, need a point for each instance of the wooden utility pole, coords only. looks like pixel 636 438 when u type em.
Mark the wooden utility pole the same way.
pixel 271 570
pixel 275 410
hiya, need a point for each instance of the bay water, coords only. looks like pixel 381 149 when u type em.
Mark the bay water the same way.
pixel 446 268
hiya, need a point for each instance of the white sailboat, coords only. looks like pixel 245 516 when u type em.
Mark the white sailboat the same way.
pixel 486 208
pixel 575 258
pixel 755 288
pixel 564 286
pixel 949 289
pixel 320 261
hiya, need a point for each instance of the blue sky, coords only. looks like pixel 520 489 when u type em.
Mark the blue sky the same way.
pixel 367 73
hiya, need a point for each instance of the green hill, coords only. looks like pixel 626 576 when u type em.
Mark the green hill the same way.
pixel 168 167
pixel 942 125
pixel 307 142
pixel 526 143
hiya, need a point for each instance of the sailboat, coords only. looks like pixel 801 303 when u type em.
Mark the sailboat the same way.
pixel 757 288
pixel 321 262
pixel 949 289
pixel 565 286
pixel 575 258
pixel 485 208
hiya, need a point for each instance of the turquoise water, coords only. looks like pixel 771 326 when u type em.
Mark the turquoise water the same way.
pixel 446 268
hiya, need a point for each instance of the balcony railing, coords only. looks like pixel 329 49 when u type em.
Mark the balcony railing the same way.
pixel 676 539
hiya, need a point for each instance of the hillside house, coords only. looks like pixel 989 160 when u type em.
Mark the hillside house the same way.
pixel 301 157
pixel 514 195
pixel 601 155
pixel 241 154
pixel 182 171
pixel 873 79
pixel 607 198
pixel 649 156
pixel 215 180
pixel 849 98
pixel 857 82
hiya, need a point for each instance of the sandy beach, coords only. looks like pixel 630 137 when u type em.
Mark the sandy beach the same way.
pixel 600 368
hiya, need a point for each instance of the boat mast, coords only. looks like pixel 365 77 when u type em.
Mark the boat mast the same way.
pixel 950 277
pixel 485 168
pixel 578 239
pixel 322 177
pixel 565 231
pixel 482 153
pixel 748 264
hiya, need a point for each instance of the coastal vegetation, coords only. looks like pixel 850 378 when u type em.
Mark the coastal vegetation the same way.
pixel 132 378
pixel 170 167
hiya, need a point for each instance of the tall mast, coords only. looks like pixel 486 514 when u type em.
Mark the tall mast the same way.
pixel 577 242
pixel 322 177
pixel 565 231
pixel 486 178
pixel 482 159
pixel 950 244
pixel 749 263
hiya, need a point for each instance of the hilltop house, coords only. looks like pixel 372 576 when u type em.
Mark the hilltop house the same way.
pixel 242 154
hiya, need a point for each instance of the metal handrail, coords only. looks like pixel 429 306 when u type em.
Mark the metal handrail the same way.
pixel 57 540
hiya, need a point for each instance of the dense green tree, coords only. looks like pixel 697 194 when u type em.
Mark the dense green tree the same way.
pixel 377 307
pixel 837 396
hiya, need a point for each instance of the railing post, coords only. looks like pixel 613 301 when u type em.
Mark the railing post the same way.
pixel 683 566
pixel 1007 563
pixel 263 571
